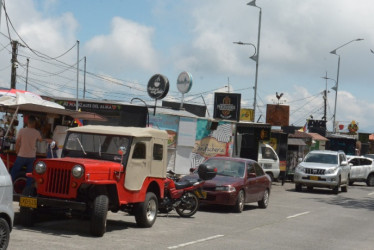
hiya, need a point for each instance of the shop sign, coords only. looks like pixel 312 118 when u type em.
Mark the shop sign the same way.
pixel 246 115
pixel 227 106
pixel 158 86
pixel 184 82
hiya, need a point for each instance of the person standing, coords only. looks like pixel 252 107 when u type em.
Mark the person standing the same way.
pixel 26 149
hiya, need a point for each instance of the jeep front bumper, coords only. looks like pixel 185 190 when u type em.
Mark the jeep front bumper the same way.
pixel 329 181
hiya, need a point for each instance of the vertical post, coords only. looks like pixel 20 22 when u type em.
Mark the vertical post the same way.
pixel 1 9
pixel 84 79
pixel 336 95
pixel 325 101
pixel 14 65
pixel 257 59
pixel 76 102
pixel 27 72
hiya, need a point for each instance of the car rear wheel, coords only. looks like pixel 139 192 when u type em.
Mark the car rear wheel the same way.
pixel 98 216
pixel 146 212
pixel 4 233
pixel 265 200
pixel 239 206
pixel 370 180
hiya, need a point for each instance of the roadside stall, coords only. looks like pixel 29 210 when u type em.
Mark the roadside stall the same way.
pixel 52 122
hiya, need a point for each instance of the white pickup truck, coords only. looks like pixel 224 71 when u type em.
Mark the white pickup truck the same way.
pixel 362 169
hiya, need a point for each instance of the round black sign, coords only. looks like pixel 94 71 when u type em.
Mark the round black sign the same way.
pixel 158 86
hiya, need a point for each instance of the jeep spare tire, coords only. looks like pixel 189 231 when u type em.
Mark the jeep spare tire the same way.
pixel 146 212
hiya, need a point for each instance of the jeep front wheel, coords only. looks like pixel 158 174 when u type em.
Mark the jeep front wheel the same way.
pixel 98 216
pixel 27 215
pixel 146 212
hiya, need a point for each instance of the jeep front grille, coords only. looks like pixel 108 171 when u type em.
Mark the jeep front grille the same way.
pixel 58 181
pixel 315 171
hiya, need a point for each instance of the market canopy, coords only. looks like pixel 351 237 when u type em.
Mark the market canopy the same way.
pixel 26 102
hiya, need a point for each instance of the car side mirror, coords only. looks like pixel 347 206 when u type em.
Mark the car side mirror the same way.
pixel 344 163
pixel 52 144
pixel 122 150
pixel 300 160
pixel 251 175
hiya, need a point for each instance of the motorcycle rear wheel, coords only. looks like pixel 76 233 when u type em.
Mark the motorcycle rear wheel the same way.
pixel 188 206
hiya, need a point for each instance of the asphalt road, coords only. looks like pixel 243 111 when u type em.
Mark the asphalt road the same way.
pixel 293 220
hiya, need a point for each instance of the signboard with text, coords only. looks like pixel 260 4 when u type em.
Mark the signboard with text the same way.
pixel 227 106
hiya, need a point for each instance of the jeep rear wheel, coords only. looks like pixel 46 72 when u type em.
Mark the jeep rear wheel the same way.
pixel 27 215
pixel 146 212
pixel 98 216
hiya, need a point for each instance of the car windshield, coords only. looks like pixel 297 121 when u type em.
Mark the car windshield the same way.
pixel 322 158
pixel 227 167
pixel 94 146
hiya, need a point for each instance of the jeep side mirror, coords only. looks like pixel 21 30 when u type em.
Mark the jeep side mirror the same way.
pixel 52 144
pixel 344 163
pixel 300 160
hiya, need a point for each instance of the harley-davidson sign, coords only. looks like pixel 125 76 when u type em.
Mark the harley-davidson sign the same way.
pixel 227 106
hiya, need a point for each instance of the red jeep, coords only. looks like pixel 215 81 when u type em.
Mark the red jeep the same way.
pixel 102 168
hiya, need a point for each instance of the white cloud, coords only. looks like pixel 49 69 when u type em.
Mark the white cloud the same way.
pixel 128 47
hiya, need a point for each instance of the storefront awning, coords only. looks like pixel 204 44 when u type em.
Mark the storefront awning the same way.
pixel 296 142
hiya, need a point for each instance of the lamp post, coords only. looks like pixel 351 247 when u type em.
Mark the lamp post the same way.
pixel 257 56
pixel 337 77
pixel 325 95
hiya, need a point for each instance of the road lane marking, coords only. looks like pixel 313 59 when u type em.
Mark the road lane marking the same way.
pixel 296 215
pixel 196 241
pixel 371 193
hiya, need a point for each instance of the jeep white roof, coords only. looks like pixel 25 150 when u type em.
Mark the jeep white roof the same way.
pixel 124 131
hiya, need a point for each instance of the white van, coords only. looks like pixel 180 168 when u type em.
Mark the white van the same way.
pixel 269 160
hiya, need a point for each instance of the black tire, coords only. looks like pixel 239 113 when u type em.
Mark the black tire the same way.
pixel 309 188
pixel 265 200
pixel 239 205
pixel 188 206
pixel 370 180
pixel 345 188
pixel 298 187
pixel 165 210
pixel 146 212
pixel 27 215
pixel 351 183
pixel 4 234
pixel 335 190
pixel 98 215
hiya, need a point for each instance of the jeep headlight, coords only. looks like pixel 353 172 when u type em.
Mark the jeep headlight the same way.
pixel 331 170
pixel 77 171
pixel 228 188
pixel 40 167
pixel 300 168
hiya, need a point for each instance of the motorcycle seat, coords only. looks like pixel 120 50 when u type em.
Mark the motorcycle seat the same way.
pixel 183 184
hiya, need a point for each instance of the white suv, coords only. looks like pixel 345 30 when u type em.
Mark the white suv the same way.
pixel 323 168
pixel 362 169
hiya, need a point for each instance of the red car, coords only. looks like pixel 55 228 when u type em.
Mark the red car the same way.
pixel 238 181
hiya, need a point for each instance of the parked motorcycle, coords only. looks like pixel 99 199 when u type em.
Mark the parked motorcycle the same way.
pixel 183 196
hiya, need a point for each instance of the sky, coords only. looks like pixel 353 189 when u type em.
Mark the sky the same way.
pixel 126 42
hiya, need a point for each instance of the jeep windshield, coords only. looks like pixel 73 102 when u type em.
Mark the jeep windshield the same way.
pixel 322 158
pixel 95 146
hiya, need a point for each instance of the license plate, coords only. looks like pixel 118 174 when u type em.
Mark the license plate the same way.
pixel 314 178
pixel 200 194
pixel 28 202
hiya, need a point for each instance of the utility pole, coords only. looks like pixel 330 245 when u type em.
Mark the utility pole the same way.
pixel 325 101
pixel 76 102
pixel 1 9
pixel 14 64
pixel 84 79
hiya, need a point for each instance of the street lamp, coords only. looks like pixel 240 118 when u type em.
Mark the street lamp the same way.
pixel 325 95
pixel 257 56
pixel 337 77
